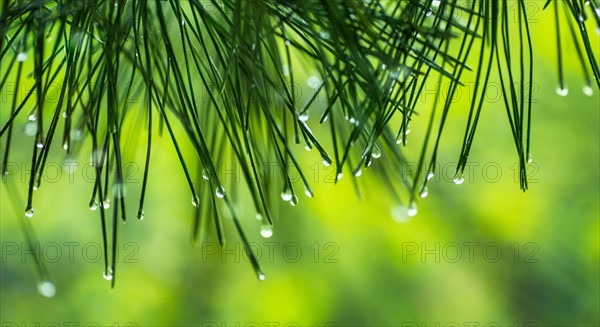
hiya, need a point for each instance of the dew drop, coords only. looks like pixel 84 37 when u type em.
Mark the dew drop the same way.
pixel 430 175
pixel 358 172
pixel 285 70
pixel 304 117
pixel 29 213
pixel 195 200
pixel 339 176
pixel 286 195
pixel 66 146
pixel 30 128
pixel 376 152
pixel 324 35
pixel 313 82
pixel 32 117
pixel 383 66
pixel 22 56
pixel 46 288
pixel 588 90
pixel 436 3
pixel 294 200
pixel 220 191
pixel 40 145
pixel 108 274
pixel 106 204
pixel 407 131
pixel 205 173
pixel 326 161
pixel 259 217
pixel 562 91
pixel 261 276
pixel 307 147
pixel 529 158
pixel 424 192
pixel 140 215
pixel 266 231
pixel 399 139
pixel 287 43
pixel 458 179
pixel 94 205
pixel 182 22
pixel 308 192
pixel 399 214
pixel 411 211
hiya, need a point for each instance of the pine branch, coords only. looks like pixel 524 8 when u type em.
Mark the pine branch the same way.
pixel 374 60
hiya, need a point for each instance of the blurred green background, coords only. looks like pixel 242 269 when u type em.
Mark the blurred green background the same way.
pixel 478 254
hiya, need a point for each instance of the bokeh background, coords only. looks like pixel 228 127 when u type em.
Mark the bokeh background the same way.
pixel 478 254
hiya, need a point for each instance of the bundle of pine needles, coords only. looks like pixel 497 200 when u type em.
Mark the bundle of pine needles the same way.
pixel 373 58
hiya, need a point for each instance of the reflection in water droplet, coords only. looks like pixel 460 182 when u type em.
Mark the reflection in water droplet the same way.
pixel 108 274
pixel 266 231
pixel 29 213
pixel 46 288
pixel 458 179
pixel 286 195
pixel 22 56
pixel 195 200
pixel 424 192
pixel 562 91
pixel 411 211
pixel 94 205
pixel 220 191
pixel 205 173
pixel 376 152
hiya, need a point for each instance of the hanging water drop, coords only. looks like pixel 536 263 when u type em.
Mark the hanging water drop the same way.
pixel 106 204
pixel 266 231
pixel 286 195
pixel 220 191
pixel 205 174
pixel 588 90
pixel 294 200
pixel 424 192
pixel 108 274
pixel 195 200
pixel 30 128
pixel 458 179
pixel 308 192
pixel 287 43
pixel 259 217
pixel 326 161
pixel 399 139
pixel 22 56
pixel 29 213
pixel 261 276
pixel 339 176
pixel 140 215
pixel 411 211
pixel 399 214
pixel 94 205
pixel 562 91
pixel 376 152
pixel 383 66
pixel 304 116
pixel 529 158
pixel 66 146
pixel 46 288
pixel 358 172
pixel 40 145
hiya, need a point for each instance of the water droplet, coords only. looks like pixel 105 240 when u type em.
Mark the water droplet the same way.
pixel 294 200
pixel 30 128
pixel 368 162
pixel 266 231
pixel 376 152
pixel 358 172
pixel 285 70
pixel 205 174
pixel 22 56
pixel 383 66
pixel 261 276
pixel 313 82
pixel 562 91
pixel 40 145
pixel 430 175
pixel 424 192
pixel 399 139
pixel 287 43
pixel 259 216
pixel 399 214
pixel 66 146
pixel 220 191
pixel 588 90
pixel 308 192
pixel 108 274
pixel 29 212
pixel 529 158
pixel 195 200
pixel 253 46
pixel 182 22
pixel 411 211
pixel 458 179
pixel 106 204
pixel 307 147
pixel 407 130
pixel 326 161
pixel 140 215
pixel 46 288
pixel 436 3
pixel 324 35
pixel 94 205
pixel 352 120
pixel 304 116
pixel 286 195
pixel 339 176
pixel 32 117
